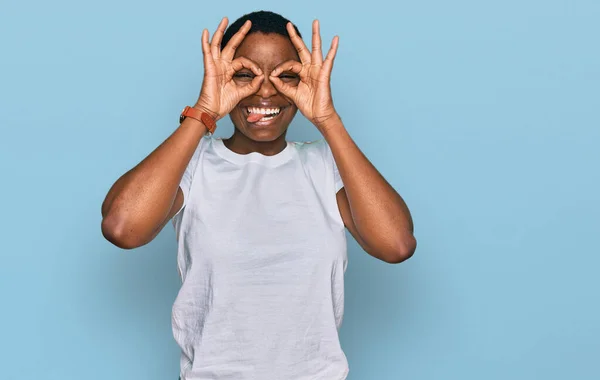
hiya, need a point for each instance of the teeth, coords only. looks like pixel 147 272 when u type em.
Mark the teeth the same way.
pixel 264 111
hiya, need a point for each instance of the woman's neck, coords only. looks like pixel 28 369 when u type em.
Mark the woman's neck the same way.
pixel 241 144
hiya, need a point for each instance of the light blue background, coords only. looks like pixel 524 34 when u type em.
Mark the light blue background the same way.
pixel 483 115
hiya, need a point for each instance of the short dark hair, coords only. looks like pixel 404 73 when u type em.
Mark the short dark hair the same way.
pixel 262 21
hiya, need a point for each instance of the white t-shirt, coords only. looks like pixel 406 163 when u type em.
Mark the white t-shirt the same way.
pixel 262 256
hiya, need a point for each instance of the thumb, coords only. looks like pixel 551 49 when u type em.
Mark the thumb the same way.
pixel 252 87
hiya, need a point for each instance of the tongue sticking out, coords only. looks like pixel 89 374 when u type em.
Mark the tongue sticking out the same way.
pixel 254 117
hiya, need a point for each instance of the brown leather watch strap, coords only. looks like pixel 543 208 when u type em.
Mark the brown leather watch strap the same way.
pixel 199 115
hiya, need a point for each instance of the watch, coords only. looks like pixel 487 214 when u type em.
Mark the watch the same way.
pixel 199 115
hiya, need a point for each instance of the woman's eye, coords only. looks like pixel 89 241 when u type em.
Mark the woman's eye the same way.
pixel 288 77
pixel 243 76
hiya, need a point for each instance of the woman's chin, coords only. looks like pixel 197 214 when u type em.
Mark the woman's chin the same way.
pixel 262 134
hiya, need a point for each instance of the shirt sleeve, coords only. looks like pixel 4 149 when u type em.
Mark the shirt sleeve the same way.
pixel 188 175
pixel 337 179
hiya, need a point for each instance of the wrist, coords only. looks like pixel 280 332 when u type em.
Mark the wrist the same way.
pixel 214 115
pixel 329 124
pixel 200 114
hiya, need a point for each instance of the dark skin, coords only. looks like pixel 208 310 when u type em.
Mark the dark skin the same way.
pixel 294 77
pixel 267 71
pixel 267 51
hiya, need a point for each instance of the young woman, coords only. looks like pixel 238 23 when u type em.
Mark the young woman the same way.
pixel 260 220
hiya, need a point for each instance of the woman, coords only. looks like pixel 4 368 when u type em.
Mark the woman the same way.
pixel 260 221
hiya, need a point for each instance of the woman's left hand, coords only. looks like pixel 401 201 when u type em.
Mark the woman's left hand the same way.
pixel 312 95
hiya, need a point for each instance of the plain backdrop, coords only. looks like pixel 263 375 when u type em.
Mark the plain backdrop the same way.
pixel 484 115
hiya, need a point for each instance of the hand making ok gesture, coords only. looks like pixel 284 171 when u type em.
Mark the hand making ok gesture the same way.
pixel 312 95
pixel 220 93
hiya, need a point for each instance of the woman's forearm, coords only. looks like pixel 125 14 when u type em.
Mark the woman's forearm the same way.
pixel 380 215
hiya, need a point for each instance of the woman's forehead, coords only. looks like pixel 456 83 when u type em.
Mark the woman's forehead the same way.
pixel 267 50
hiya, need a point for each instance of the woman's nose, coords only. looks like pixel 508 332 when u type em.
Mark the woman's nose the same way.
pixel 266 88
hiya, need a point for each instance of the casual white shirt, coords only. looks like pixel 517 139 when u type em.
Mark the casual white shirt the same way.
pixel 262 256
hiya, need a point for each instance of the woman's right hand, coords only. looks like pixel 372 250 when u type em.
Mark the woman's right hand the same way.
pixel 220 93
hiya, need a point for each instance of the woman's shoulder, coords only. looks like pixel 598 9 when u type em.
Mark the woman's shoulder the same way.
pixel 314 148
pixel 313 152
pixel 311 147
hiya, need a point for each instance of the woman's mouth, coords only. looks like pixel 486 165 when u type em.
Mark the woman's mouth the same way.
pixel 261 115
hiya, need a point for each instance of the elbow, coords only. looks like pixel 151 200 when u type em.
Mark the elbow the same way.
pixel 403 251
pixel 119 233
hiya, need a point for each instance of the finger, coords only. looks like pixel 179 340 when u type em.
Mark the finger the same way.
pixel 328 63
pixel 253 87
pixel 317 54
pixel 236 40
pixel 284 88
pixel 208 60
pixel 215 45
pixel 298 44
pixel 243 62
pixel 293 66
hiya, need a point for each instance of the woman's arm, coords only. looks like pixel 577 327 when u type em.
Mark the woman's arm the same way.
pixel 141 202
pixel 372 210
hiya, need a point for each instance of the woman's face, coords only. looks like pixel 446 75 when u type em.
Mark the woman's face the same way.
pixel 267 51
